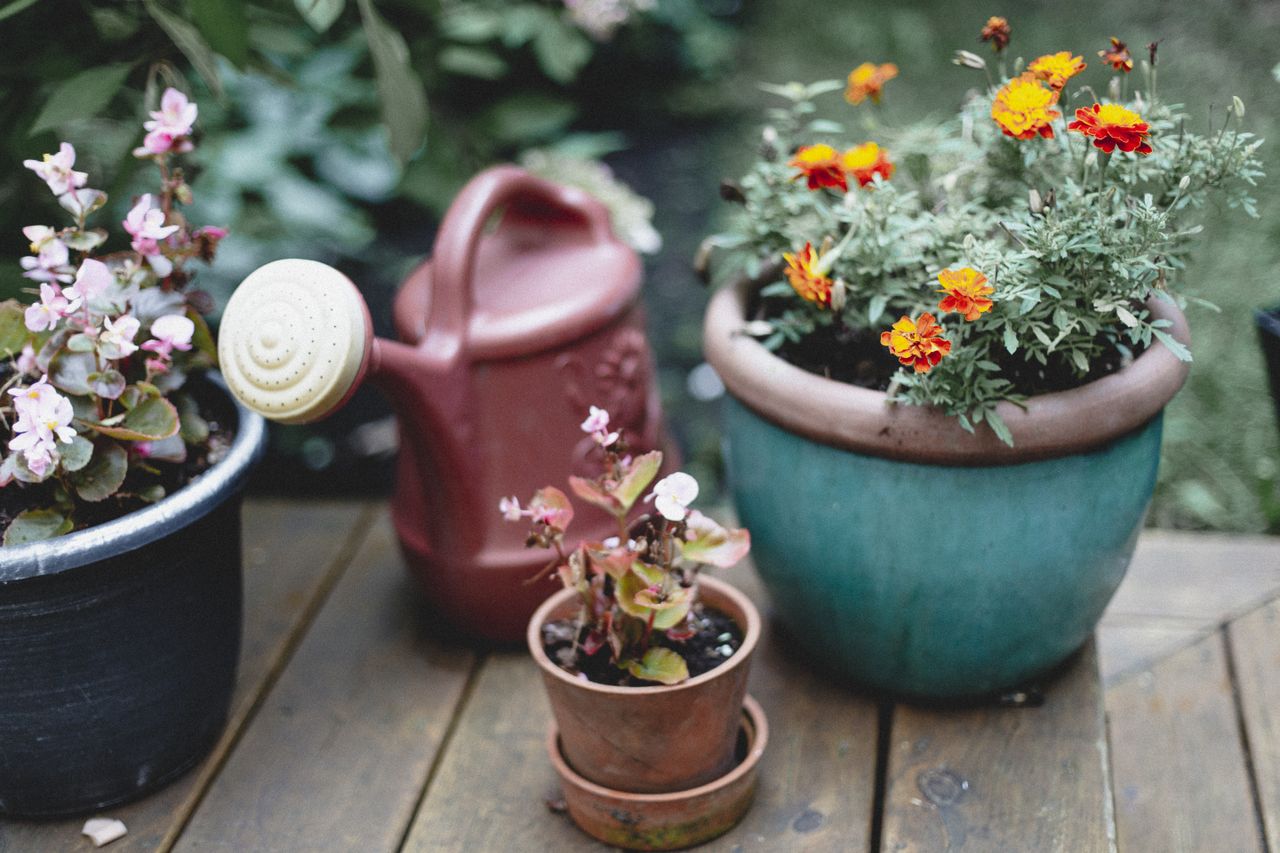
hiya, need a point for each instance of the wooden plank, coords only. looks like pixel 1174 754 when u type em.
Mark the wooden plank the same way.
pixel 1255 646
pixel 1180 776
pixel 816 784
pixel 293 553
pixel 1126 648
pixel 1206 577
pixel 997 778
pixel 338 754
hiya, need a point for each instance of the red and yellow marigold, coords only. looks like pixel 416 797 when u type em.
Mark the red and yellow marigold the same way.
pixel 997 32
pixel 1112 126
pixel 1057 68
pixel 1023 108
pixel 916 343
pixel 1117 56
pixel 863 162
pixel 867 81
pixel 967 291
pixel 820 166
pixel 812 284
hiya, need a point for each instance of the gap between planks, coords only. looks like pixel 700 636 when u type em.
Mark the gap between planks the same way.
pixel 239 721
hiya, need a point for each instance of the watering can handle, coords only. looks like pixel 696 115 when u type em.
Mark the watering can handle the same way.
pixel 454 258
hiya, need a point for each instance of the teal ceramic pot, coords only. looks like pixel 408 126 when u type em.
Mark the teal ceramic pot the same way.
pixel 917 558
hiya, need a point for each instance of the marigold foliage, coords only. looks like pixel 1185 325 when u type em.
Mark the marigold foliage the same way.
pixel 1071 241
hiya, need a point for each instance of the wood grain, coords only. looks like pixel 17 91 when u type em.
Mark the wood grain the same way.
pixel 1131 646
pixel 1255 645
pixel 1180 775
pixel 999 779
pixel 338 753
pixel 1209 578
pixel 293 552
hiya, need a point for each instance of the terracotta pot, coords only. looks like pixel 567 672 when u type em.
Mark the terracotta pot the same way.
pixel 651 739
pixel 669 821
pixel 940 563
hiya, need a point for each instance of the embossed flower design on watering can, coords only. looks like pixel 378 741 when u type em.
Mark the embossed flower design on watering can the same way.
pixel 507 336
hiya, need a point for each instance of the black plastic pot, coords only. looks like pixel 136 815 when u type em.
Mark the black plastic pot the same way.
pixel 119 643
pixel 1269 336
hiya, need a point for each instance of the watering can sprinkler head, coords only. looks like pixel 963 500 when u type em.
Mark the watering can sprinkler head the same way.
pixel 295 340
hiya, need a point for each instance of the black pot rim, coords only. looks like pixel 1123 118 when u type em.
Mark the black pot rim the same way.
pixel 193 501
pixel 1269 320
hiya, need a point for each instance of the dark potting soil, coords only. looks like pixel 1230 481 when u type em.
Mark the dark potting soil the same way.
pixel 716 639
pixel 857 357
pixel 214 407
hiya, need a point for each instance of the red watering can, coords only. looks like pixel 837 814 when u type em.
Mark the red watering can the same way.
pixel 507 336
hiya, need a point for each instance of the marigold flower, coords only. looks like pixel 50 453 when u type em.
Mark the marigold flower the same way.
pixel 967 291
pixel 867 81
pixel 916 343
pixel 1118 56
pixel 863 162
pixel 1112 126
pixel 808 282
pixel 997 32
pixel 1023 108
pixel 820 165
pixel 1057 68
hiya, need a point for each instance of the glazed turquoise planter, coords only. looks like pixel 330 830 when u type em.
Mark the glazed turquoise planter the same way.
pixel 937 580
pixel 921 560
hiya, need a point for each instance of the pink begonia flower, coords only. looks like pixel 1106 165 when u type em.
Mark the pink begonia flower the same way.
pixel 44 419
pixel 169 127
pixel 55 170
pixel 34 396
pixel 170 332
pixel 92 279
pixel 116 338
pixel 156 365
pixel 27 360
pixel 672 495
pixel 52 307
pixel 50 262
pixel 146 225
pixel 597 425
pixel 510 509
pixel 212 232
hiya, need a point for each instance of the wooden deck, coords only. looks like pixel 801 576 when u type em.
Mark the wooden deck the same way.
pixel 356 727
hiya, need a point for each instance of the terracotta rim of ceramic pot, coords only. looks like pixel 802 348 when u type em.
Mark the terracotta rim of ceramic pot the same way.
pixel 860 419
pixel 561 600
pixel 580 792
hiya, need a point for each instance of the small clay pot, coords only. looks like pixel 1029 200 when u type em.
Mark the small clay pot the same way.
pixel 651 739
pixel 670 821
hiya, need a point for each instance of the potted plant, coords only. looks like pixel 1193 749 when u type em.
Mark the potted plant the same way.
pixel 948 348
pixel 644 661
pixel 119 497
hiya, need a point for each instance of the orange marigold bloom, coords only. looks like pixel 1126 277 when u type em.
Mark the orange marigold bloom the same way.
pixel 1118 56
pixel 916 343
pixel 1113 126
pixel 867 80
pixel 1057 68
pixel 996 31
pixel 808 282
pixel 967 291
pixel 820 164
pixel 1023 108
pixel 863 162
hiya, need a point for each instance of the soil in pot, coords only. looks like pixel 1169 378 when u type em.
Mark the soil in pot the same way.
pixel 855 356
pixel 213 406
pixel 717 637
